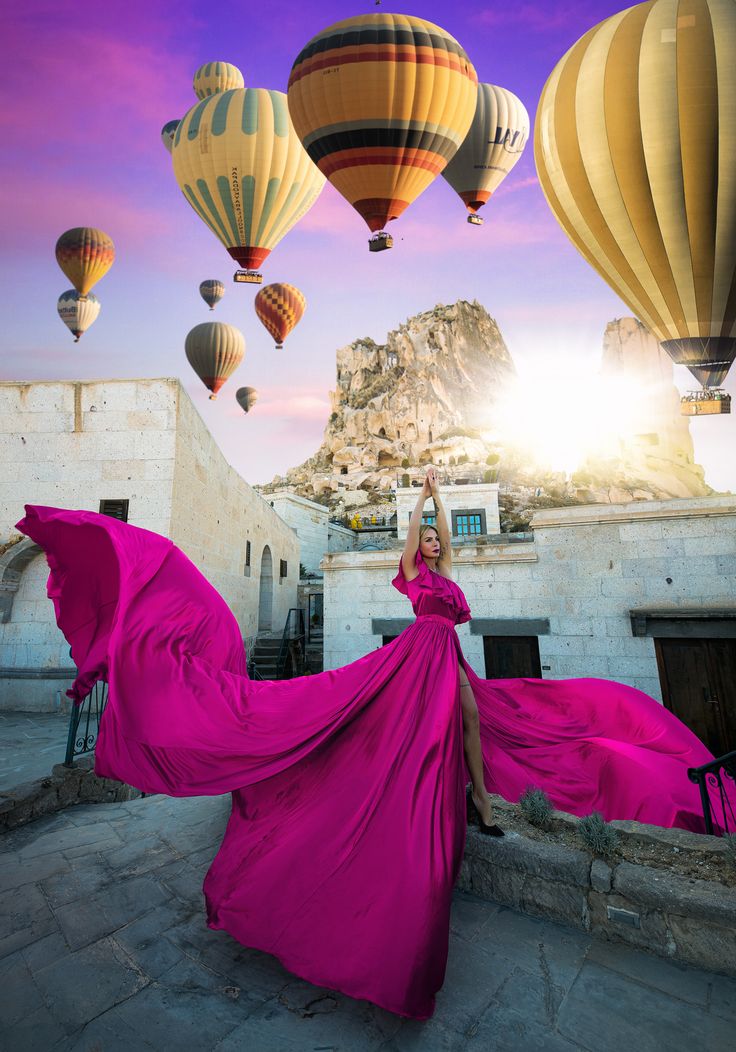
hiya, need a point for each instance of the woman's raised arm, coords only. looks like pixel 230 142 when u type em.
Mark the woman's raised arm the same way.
pixel 444 563
pixel 411 546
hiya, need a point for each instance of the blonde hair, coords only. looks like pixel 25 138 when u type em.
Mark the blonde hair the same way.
pixel 430 526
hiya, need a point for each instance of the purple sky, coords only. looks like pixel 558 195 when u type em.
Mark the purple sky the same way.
pixel 92 85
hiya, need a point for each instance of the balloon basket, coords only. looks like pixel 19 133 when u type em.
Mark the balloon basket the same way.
pixel 248 277
pixel 380 242
pixel 708 402
pixel 475 220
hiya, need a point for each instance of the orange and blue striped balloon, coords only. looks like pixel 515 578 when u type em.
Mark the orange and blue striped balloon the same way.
pixel 381 104
pixel 279 308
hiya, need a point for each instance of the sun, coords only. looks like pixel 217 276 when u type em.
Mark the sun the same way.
pixel 561 414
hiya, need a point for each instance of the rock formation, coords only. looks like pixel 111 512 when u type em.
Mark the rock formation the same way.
pixel 427 396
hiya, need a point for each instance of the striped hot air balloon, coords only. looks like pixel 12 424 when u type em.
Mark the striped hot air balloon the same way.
pixel 279 307
pixel 85 254
pixel 212 292
pixel 214 350
pixel 382 103
pixel 240 165
pixel 492 147
pixel 215 77
pixel 246 398
pixel 635 141
pixel 78 312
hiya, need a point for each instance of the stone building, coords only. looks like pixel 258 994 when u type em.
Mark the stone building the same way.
pixel 139 450
pixel 643 593
pixel 472 509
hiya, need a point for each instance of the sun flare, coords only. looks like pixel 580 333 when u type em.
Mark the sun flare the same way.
pixel 560 415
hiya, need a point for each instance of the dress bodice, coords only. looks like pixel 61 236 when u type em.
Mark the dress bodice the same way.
pixel 431 593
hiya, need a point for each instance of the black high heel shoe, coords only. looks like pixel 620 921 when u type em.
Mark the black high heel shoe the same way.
pixel 493 830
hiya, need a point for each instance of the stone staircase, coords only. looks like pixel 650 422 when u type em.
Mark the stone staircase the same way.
pixel 266 655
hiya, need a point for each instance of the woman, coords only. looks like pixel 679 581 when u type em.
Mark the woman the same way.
pixel 429 549
pixel 348 808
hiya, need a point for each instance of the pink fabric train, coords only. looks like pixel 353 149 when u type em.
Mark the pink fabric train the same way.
pixel 348 810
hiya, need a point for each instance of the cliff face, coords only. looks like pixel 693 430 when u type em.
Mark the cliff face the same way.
pixel 427 396
pixel 654 452
pixel 424 396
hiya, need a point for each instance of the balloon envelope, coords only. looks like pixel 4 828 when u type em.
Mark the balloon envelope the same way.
pixel 634 142
pixel 85 254
pixel 77 312
pixel 214 350
pixel 382 102
pixel 492 147
pixel 215 77
pixel 279 307
pixel 212 292
pixel 167 134
pixel 246 398
pixel 240 165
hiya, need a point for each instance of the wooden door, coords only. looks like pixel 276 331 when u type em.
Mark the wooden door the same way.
pixel 698 678
pixel 512 657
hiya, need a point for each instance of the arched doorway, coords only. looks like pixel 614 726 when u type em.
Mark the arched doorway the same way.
pixel 265 592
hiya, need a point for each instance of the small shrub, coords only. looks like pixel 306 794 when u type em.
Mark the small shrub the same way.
pixel 597 835
pixel 536 807
pixel 405 462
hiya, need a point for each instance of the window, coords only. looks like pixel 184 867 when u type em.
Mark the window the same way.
pixel 471 523
pixel 116 509
pixel 283 568
pixel 246 567
pixel 429 519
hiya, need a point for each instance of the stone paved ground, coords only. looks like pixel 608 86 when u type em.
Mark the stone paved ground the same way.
pixel 30 744
pixel 104 948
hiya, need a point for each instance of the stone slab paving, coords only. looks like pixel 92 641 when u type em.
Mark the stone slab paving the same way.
pixel 104 948
pixel 30 744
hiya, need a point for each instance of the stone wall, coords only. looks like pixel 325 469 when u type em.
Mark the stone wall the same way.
pixel 585 570
pixel 73 444
pixel 229 513
pixel 669 914
pixel 308 520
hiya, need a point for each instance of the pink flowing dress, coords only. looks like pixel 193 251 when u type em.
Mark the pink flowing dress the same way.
pixel 348 812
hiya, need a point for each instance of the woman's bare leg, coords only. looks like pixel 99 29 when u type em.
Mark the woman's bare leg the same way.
pixel 473 752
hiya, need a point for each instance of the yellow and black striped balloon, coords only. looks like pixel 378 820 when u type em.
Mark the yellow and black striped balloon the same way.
pixel 381 103
pixel 635 146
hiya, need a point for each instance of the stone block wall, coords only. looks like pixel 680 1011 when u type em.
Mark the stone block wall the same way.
pixel 72 444
pixel 584 571
pixel 308 520
pixel 227 514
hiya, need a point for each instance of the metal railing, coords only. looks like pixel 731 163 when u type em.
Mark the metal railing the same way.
pixel 717 778
pixel 293 643
pixel 84 723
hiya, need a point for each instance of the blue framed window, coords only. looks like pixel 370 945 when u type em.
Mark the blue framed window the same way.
pixel 471 523
pixel 429 519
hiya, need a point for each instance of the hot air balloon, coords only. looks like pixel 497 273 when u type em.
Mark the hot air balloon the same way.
pixel 279 307
pixel 78 312
pixel 214 350
pixel 492 147
pixel 242 168
pixel 381 103
pixel 246 398
pixel 215 77
pixel 212 292
pixel 634 143
pixel 167 134
pixel 85 254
